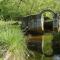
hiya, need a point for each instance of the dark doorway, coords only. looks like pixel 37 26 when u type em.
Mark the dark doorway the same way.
pixel 48 22
pixel 48 19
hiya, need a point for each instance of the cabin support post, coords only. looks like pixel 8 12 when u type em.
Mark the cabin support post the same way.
pixel 42 22
pixel 59 23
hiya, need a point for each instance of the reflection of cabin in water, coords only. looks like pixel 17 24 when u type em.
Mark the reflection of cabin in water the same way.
pixel 38 24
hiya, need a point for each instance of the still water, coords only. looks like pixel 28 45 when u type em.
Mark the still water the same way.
pixel 38 56
pixel 47 49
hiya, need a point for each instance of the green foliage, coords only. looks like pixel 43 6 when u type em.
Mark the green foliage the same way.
pixel 12 40
pixel 17 8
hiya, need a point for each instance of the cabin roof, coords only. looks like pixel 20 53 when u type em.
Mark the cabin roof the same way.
pixel 29 17
pixel 34 15
pixel 38 15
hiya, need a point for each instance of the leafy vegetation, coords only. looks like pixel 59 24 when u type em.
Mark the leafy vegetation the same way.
pixel 16 8
pixel 12 41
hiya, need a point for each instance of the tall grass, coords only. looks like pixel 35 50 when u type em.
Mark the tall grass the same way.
pixel 12 42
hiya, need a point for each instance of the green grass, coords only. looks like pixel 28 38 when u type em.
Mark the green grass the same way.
pixel 12 40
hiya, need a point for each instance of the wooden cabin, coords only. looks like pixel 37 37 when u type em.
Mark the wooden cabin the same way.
pixel 32 24
pixel 38 24
pixel 35 26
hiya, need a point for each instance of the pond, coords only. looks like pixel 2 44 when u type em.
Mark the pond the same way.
pixel 38 56
pixel 48 37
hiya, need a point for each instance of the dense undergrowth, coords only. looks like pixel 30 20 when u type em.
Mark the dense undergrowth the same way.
pixel 12 41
